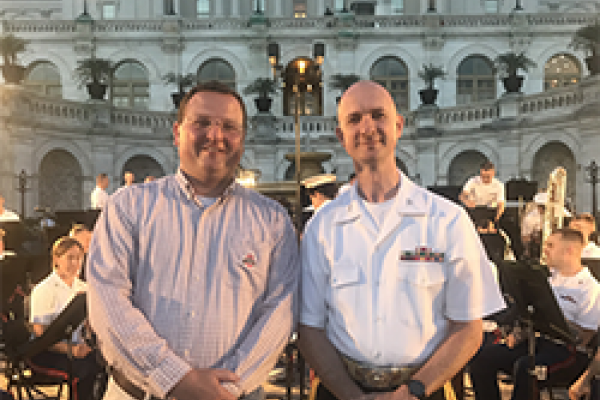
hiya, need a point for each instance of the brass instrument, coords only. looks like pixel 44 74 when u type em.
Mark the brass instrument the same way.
pixel 553 216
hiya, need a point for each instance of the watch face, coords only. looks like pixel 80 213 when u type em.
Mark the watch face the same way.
pixel 417 389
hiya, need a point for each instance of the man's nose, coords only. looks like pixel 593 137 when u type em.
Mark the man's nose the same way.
pixel 367 125
pixel 214 131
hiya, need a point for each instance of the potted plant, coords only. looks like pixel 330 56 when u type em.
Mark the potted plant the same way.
pixel 429 74
pixel 587 38
pixel 342 82
pixel 508 64
pixel 263 87
pixel 183 82
pixel 95 74
pixel 10 46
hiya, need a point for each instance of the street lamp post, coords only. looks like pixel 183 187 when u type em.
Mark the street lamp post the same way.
pixel 22 188
pixel 592 171
pixel 303 76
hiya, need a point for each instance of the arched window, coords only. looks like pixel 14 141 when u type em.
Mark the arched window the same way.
pixel 561 70
pixel 217 70
pixel 131 86
pixel 44 78
pixel 476 80
pixel 391 73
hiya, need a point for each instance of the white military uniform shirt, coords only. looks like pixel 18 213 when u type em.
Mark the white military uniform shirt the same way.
pixel 591 251
pixel 98 198
pixel 485 194
pixel 386 296
pixel 50 297
pixel 9 216
pixel 578 297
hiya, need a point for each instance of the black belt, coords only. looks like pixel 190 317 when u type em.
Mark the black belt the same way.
pixel 129 388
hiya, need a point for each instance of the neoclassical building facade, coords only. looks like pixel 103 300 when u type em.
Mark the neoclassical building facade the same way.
pixel 61 140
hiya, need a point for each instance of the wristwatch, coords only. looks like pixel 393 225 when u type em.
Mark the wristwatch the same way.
pixel 416 388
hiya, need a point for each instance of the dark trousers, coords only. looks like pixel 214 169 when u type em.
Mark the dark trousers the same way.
pixel 84 371
pixel 559 360
pixel 324 394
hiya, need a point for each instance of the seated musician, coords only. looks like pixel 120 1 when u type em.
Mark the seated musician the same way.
pixel 586 224
pixel 48 299
pixel 577 294
pixel 485 191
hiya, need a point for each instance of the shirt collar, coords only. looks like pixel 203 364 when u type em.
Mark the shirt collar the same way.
pixel 406 201
pixel 186 187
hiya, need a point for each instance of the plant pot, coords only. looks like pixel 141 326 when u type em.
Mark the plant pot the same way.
pixel 13 73
pixel 593 64
pixel 96 90
pixel 428 96
pixel 513 83
pixel 177 97
pixel 263 104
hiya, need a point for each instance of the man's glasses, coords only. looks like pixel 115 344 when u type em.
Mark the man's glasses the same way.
pixel 228 127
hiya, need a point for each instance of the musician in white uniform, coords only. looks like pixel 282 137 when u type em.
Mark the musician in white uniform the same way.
pixel 586 224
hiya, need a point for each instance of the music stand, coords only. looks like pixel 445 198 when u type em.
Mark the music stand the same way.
pixel 536 305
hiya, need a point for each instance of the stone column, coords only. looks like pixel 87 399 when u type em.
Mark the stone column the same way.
pixel 218 8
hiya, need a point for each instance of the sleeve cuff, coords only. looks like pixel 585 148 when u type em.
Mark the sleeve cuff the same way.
pixel 164 378
pixel 311 321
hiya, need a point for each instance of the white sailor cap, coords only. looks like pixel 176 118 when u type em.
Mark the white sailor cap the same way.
pixel 318 180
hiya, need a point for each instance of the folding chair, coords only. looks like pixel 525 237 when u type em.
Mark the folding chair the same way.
pixel 21 374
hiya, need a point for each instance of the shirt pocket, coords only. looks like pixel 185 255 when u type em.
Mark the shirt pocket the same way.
pixel 345 286
pixel 248 265
pixel 422 292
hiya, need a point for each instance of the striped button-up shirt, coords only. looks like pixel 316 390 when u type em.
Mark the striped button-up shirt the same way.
pixel 175 286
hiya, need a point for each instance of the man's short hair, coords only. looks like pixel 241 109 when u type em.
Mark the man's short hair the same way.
pixel 78 228
pixel 570 235
pixel 486 166
pixel 328 190
pixel 586 217
pixel 214 87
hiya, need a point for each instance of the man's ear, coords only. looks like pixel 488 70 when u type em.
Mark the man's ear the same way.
pixel 399 125
pixel 176 126
pixel 339 134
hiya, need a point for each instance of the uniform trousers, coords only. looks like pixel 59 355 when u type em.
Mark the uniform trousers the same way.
pixel 324 394
pixel 84 370
pixel 560 360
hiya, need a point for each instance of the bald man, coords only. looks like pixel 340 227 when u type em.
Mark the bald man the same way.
pixel 395 281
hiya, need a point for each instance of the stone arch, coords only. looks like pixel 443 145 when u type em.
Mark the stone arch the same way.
pixel 238 66
pixel 163 161
pixel 547 53
pixel 450 154
pixel 69 146
pixel 132 55
pixel 551 155
pixel 531 148
pixel 464 166
pixel 390 51
pixel 61 181
pixel 142 166
pixel 467 51
pixel 42 55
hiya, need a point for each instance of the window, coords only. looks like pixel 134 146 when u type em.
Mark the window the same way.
pixel 490 6
pixel 299 8
pixel 476 80
pixel 397 6
pixel 217 70
pixel 44 78
pixel 109 11
pixel 561 70
pixel 339 5
pixel 131 86
pixel 203 8
pixel 391 73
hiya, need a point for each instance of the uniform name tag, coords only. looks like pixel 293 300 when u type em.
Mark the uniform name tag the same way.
pixel 421 254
